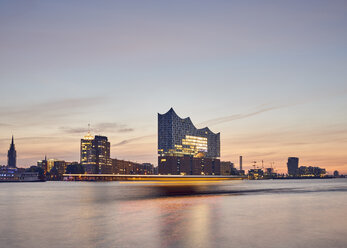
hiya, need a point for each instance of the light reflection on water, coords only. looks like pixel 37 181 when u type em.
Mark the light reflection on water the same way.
pixel 293 213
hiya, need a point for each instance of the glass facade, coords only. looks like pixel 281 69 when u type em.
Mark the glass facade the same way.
pixel 95 154
pixel 179 137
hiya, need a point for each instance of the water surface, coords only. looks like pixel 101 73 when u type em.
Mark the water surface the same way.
pixel 271 213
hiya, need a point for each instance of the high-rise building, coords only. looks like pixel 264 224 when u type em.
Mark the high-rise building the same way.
pixel 293 165
pixel 184 149
pixel 12 155
pixel 95 154
pixel 179 137
pixel 102 152
pixel 88 154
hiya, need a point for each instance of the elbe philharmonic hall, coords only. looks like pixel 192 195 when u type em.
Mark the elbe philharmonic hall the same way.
pixel 185 150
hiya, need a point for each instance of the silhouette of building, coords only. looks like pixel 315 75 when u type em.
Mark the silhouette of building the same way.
pixel 255 174
pixel 12 155
pixel 226 167
pixel 102 152
pixel 43 164
pixel 95 154
pixel 309 171
pixel 184 149
pixel 131 168
pixel 56 167
pixel 293 165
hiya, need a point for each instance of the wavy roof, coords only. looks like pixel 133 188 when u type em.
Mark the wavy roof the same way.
pixel 187 119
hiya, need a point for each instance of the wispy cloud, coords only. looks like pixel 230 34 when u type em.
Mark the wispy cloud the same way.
pixel 56 107
pixel 127 141
pixel 107 127
pixel 239 116
pixel 264 108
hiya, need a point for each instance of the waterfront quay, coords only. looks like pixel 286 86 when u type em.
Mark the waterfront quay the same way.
pixel 116 177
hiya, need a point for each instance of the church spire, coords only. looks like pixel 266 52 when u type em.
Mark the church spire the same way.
pixel 12 155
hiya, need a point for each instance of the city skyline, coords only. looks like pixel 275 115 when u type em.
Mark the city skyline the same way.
pixel 269 76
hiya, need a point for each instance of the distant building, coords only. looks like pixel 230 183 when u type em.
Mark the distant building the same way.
pixel 184 149
pixel 255 174
pixel 95 154
pixel 270 173
pixel 12 156
pixel 59 166
pixel 131 168
pixel 293 165
pixel 336 174
pixel 147 169
pixel 309 171
pixel 226 168
pixel 43 165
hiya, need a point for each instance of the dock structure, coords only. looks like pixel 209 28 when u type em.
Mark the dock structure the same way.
pixel 164 178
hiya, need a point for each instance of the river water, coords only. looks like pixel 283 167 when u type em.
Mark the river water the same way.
pixel 269 213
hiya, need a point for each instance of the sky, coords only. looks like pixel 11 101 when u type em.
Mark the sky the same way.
pixel 270 76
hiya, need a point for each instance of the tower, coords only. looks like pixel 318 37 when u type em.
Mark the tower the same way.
pixel 293 165
pixel 12 155
pixel 88 155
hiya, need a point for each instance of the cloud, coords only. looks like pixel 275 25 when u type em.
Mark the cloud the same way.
pixel 55 108
pixel 264 109
pixel 239 116
pixel 106 127
pixel 72 130
pixel 127 141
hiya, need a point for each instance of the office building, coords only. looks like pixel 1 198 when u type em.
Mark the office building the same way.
pixel 188 165
pixel 58 165
pixel 102 152
pixel 12 156
pixel 309 171
pixel 131 168
pixel 95 154
pixel 88 154
pixel 226 168
pixel 293 165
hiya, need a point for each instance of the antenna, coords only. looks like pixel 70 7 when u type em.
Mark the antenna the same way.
pixel 88 128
